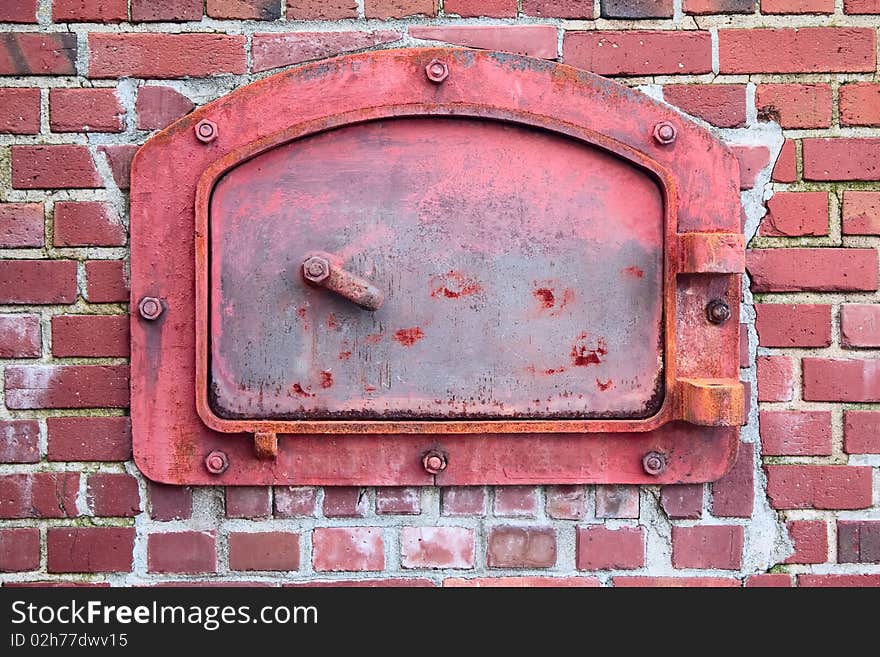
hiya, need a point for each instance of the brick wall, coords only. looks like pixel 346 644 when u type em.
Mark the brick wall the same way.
pixel 83 82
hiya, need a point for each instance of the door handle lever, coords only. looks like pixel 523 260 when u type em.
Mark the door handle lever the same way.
pixel 320 270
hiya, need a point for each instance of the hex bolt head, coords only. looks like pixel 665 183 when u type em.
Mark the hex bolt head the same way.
pixel 664 133
pixel 654 463
pixel 316 269
pixel 150 308
pixel 216 462
pixel 434 462
pixel 718 311
pixel 437 71
pixel 206 131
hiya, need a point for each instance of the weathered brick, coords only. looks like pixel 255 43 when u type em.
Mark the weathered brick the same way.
pixel 797 6
pixel 389 582
pixel 810 538
pixel 836 581
pixel 521 547
pixel 566 502
pixel 158 107
pixel 436 547
pixel 296 502
pixel 276 551
pixel 793 325
pixel 112 494
pixel 861 213
pixel 722 105
pixel 144 55
pixel 345 502
pixel 682 500
pixel 182 552
pixel 54 167
pixel 733 496
pixel 796 433
pixel 775 378
pixel 769 580
pixel 802 50
pixel 744 356
pixel 398 500
pixel 522 582
pixel 85 110
pixel 861 7
pixel 169 502
pixel 248 502
pixel 321 10
pixel 818 486
pixel 38 281
pixel 785 169
pixel 703 7
pixel 89 549
pixel 91 11
pixel 471 8
pixel 636 9
pixel 19 11
pixel 399 8
pixel 843 158
pixel 463 501
pixel 20 336
pixel 166 10
pixel 600 548
pixel 533 40
pixel 558 8
pixel 87 223
pixel 806 269
pixel 19 548
pixel 38 53
pixel 676 582
pixel 707 546
pixel 858 541
pixel 794 214
pixel 516 501
pixel 617 501
pixel 260 10
pixel 859 103
pixel 90 336
pixel 89 438
pixel 67 386
pixel 21 225
pixel 39 495
pixel 274 49
pixel 638 52
pixel 827 379
pixel 106 281
pixel 19 441
pixel 119 157
pixel 861 432
pixel 752 159
pixel 20 111
pixel 859 325
pixel 348 548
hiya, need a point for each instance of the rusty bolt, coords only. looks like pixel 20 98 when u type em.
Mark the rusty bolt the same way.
pixel 216 462
pixel 206 131
pixel 437 71
pixel 718 311
pixel 150 308
pixel 316 269
pixel 434 462
pixel 654 463
pixel 664 132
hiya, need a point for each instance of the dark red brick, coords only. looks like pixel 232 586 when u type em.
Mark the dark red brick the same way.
pixel 793 325
pixel 566 502
pixel 806 269
pixel 113 495
pixel 859 325
pixel 682 500
pixel 90 11
pixel 558 8
pixel 752 159
pixel 90 336
pixel 274 49
pixel 85 110
pixel 769 580
pixel 707 546
pixel 733 496
pixel 89 438
pixel 636 52
pixel 436 547
pixel 522 582
pixel 260 10
pixel 797 6
pixel 21 225
pixel 702 7
pixel 463 501
pixel 516 501
pixel 796 433
pixel 775 378
pixel 722 105
pixel 19 441
pixel 169 502
pixel 827 379
pixel 39 495
pixel 858 541
pixel 861 213
pixel 67 386
pixel 345 502
pixel 600 548
pixel 54 167
pixel 87 223
pixel 471 8
pixel 843 158
pixel 795 105
pixel 38 53
pixel 861 432
pixel 89 549
pixel 106 281
pixel 521 547
pixel 20 111
pixel 20 336
pixel 399 8
pixel 836 581
pixel 321 10
pixel 167 10
pixel 860 103
pixel 158 107
pixel 398 500
pixel 617 501
pixel 635 9
pixel 801 50
pixel 38 281
pixel 144 55
pixel 19 11
pixel 810 538
pixel 278 551
pixel 675 582
pixel 181 552
pixel 796 214
pixel 819 486
pixel 348 549
pixel 532 40
pixel 296 502
pixel 19 548
pixel 119 158
pixel 785 169
pixel 248 502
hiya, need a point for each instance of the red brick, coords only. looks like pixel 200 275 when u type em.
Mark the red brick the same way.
pixel 398 500
pixel 143 55
pixel 399 8
pixel 558 8
pixel 38 281
pixel 19 549
pixel 797 6
pixel 860 581
pixel 522 582
pixel 533 40
pixel 707 546
pixel 37 53
pixel 436 547
pixel 55 583
pixel 106 281
pixel 248 502
pixel 636 9
pixel 19 11
pixel 675 582
pixel 348 548
pixel 321 10
pixel 861 7
pixel 859 325
pixel 20 111
pixel 283 49
pixel 600 548
pixel 91 11
pixel 516 501
pixel 785 169
pixel 54 167
pixel 861 432
pixel 39 495
pixel 114 495
pixel 89 549
pixel 703 7
pixel 752 159
pixel 861 213
pixel 463 501
pixel 801 50
pixel 19 441
pixel 21 225
pixel 617 501
pixel 810 539
pixel 470 8
pixel 733 496
pixel 639 52
pixel 263 551
pixel 89 438
pixel 793 214
pixel 261 10
pixel 169 502
pixel 158 107
pixel 67 386
pixel 793 325
pixel 90 336
pixel 566 502
pixel 723 105
pixel 182 552
pixel 521 547
pixel 20 336
pixel 87 223
pixel 859 103
pixel 345 502
pixel 858 541
pixel 769 580
pixel 819 486
pixel 806 269
pixel 842 159
pixel 796 433
pixel 85 110
pixel 391 582
pixel 296 502
pixel 682 500
pixel 827 379
pixel 166 10
pixel 119 158
pixel 775 378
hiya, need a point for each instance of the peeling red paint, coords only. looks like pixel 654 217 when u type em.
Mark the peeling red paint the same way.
pixel 408 337
pixel 452 285
pixel 582 354
pixel 635 272
pixel 545 296
pixel 326 379
pixel 298 389
pixel 604 385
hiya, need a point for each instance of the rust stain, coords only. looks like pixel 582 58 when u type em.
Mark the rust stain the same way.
pixel 332 323
pixel 582 353
pixel 301 312
pixel 453 285
pixel 408 337
pixel 326 379
pixel 344 355
pixel 545 296
pixel 635 272
pixel 604 385
pixel 373 338
pixel 557 370
pixel 298 389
